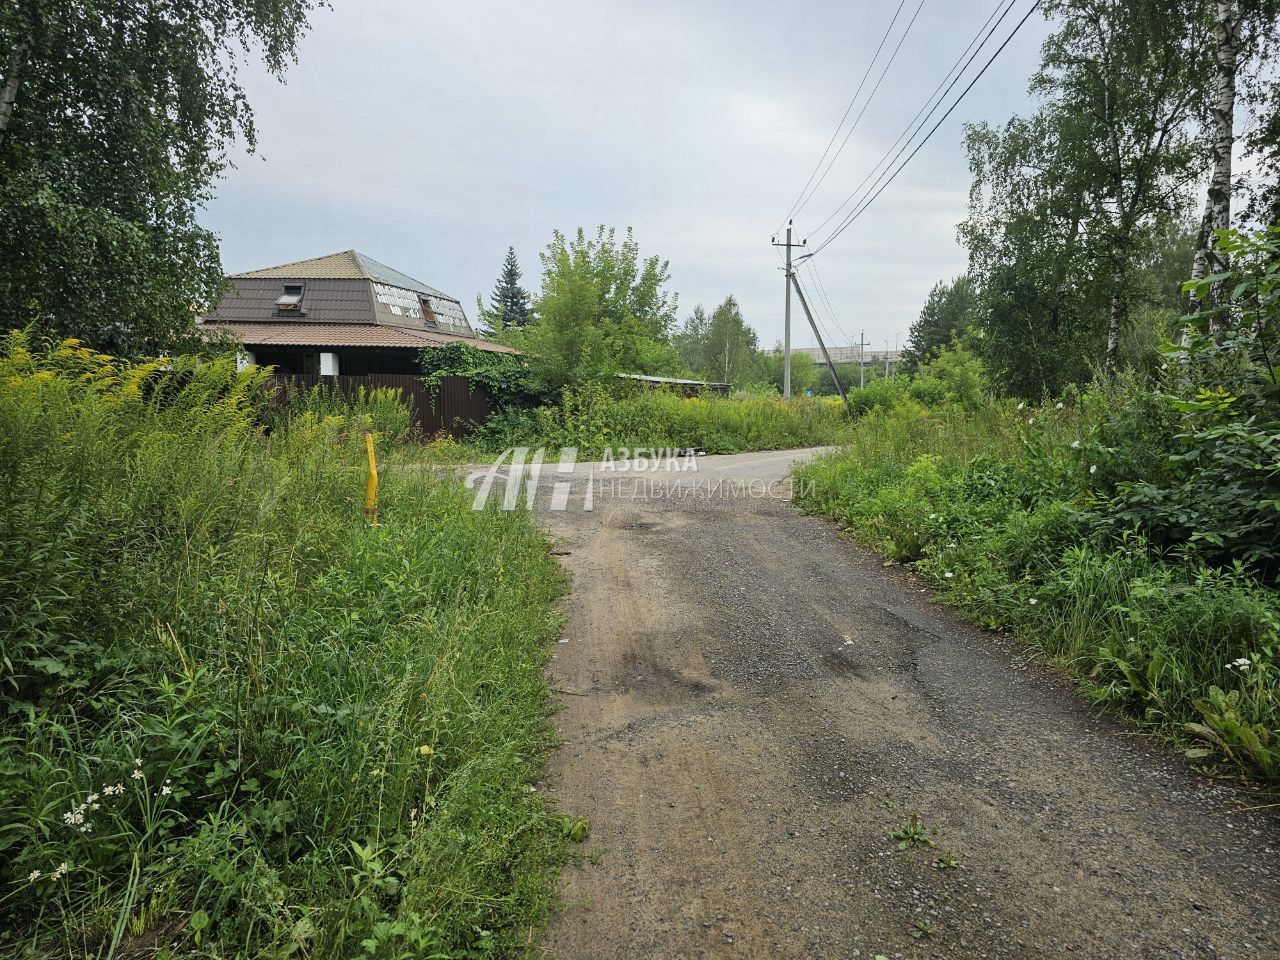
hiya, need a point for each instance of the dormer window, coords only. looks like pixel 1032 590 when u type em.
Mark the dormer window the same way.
pixel 291 300
pixel 428 314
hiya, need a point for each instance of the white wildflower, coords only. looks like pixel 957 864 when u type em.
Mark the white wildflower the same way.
pixel 1030 420
pixel 86 828
pixel 91 798
pixel 166 790
pixel 1059 405
pixel 1093 468
pixel 137 761
pixel 948 574
pixel 1033 601
pixel 137 774
pixel 1075 444
pixel 1022 406
pixel 33 876
pixel 1240 663
pixel 61 871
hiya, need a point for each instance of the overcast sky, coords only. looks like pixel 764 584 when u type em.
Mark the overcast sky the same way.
pixel 433 135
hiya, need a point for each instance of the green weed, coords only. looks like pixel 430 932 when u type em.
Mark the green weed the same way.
pixel 1007 509
pixel 239 720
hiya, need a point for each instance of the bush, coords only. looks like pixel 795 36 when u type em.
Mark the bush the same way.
pixel 504 377
pixel 595 420
pixel 954 375
pixel 378 410
pixel 240 720
pixel 1009 510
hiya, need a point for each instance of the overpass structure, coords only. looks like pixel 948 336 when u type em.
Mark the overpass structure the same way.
pixel 849 354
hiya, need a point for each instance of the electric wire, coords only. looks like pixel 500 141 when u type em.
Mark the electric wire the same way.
pixel 934 100
pixel 866 103
pixel 858 211
pixel 839 126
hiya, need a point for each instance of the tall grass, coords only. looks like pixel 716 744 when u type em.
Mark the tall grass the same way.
pixel 380 409
pixel 1000 506
pixel 240 720
pixel 594 420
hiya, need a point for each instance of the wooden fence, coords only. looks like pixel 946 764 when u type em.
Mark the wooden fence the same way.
pixel 457 406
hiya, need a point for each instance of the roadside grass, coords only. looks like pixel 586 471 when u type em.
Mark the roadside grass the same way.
pixel 1005 508
pixel 240 720
pixel 595 420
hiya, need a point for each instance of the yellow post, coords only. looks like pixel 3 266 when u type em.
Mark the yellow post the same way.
pixel 371 485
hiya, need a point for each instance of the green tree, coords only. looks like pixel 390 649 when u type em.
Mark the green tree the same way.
pixel 1040 292
pixel 1068 204
pixel 115 121
pixel 1244 35
pixel 721 347
pixel 691 340
pixel 509 303
pixel 1126 83
pixel 602 310
pixel 805 372
pixel 946 315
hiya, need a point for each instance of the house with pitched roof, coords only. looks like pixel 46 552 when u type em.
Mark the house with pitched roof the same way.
pixel 345 313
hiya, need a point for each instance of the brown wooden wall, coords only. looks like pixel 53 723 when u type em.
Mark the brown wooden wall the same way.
pixel 455 409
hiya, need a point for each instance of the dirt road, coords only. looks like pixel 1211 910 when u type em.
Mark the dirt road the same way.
pixel 752 706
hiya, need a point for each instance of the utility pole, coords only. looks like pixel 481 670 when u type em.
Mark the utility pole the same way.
pixel 863 343
pixel 786 330
pixel 830 366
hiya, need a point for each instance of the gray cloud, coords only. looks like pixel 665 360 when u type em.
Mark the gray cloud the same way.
pixel 432 135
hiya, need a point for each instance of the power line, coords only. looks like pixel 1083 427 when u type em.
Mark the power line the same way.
pixel 934 100
pixel 835 133
pixel 822 291
pixel 857 212
pixel 818 317
pixel 866 103
pixel 831 314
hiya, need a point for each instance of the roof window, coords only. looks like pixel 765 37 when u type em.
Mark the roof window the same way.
pixel 428 314
pixel 291 300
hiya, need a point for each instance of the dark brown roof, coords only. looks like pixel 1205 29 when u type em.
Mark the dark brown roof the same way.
pixel 292 333
pixel 397 297
pixel 325 301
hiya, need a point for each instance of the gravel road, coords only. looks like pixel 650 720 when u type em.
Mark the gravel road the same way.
pixel 752 706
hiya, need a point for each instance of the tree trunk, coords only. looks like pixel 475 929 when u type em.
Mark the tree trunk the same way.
pixel 12 81
pixel 1217 209
pixel 1119 302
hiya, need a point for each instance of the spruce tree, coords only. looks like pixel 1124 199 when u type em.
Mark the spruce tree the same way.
pixel 509 302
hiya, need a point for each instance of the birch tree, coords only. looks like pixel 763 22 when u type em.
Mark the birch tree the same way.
pixel 115 121
pixel 1244 36
pixel 1126 82
pixel 1217 208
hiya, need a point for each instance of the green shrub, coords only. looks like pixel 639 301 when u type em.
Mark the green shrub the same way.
pixel 954 375
pixel 1001 507
pixel 595 420
pixel 380 410
pixel 241 721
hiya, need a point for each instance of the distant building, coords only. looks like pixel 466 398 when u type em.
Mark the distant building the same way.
pixel 341 314
pixel 849 354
